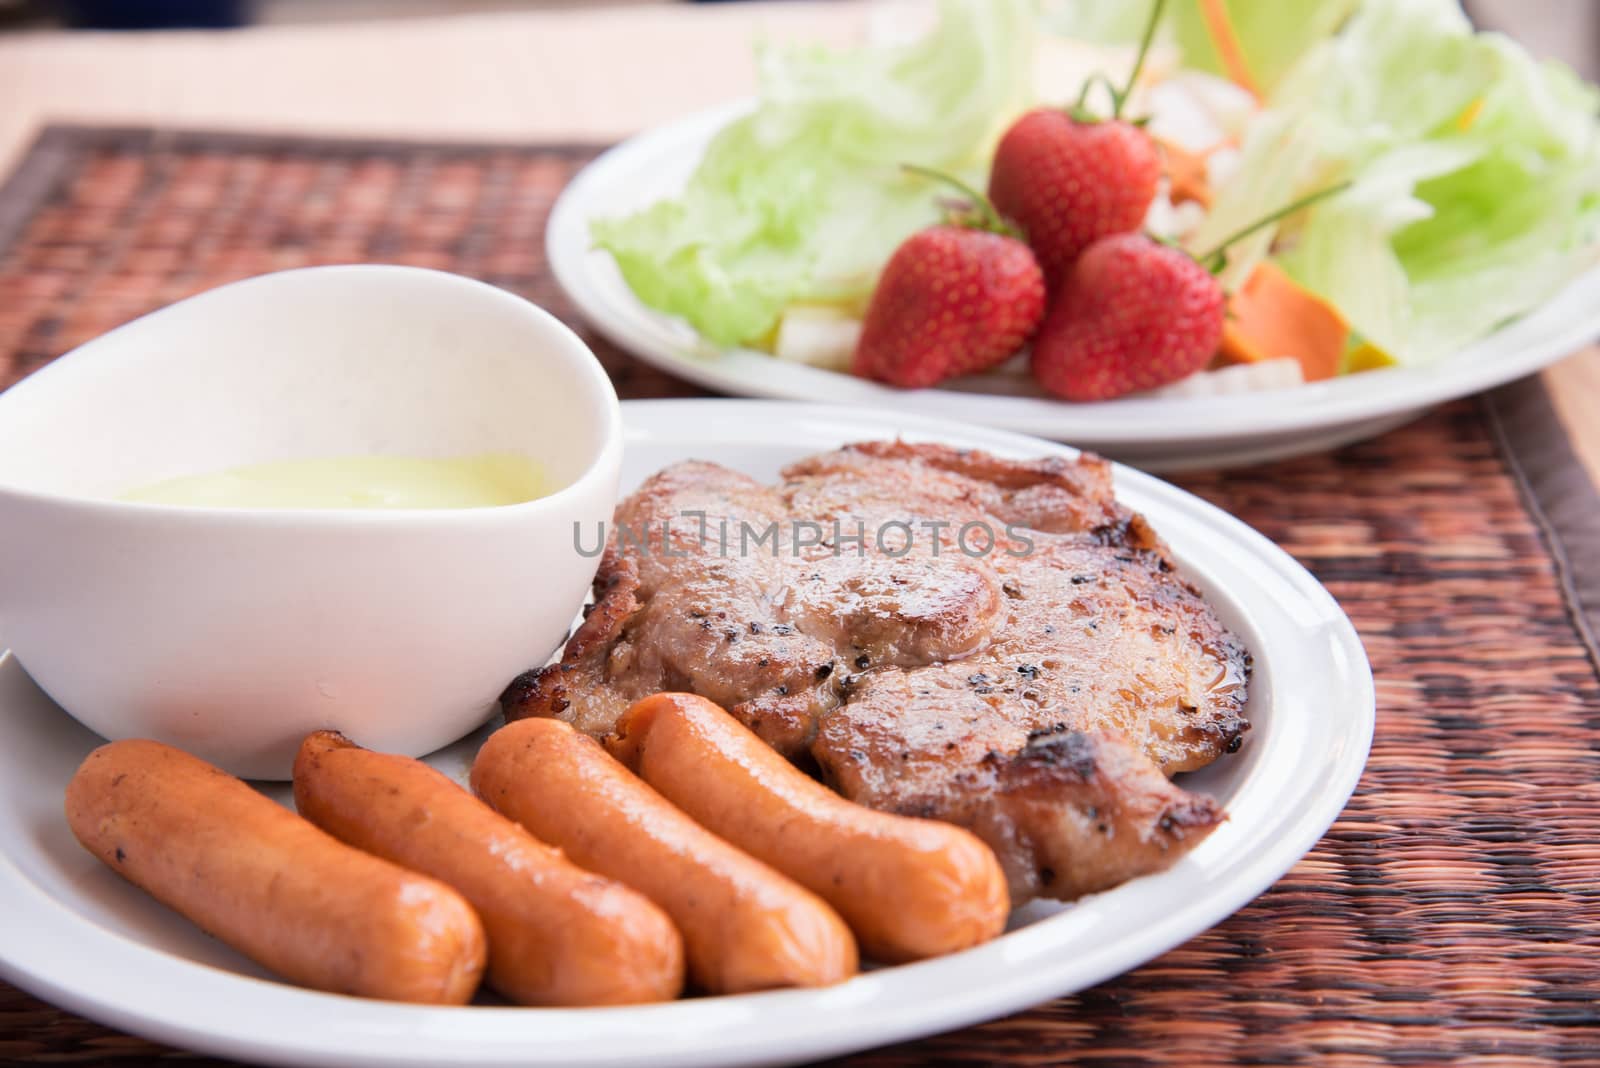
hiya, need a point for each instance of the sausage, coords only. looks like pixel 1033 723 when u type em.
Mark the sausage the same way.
pixel 558 935
pixel 745 927
pixel 909 888
pixel 268 883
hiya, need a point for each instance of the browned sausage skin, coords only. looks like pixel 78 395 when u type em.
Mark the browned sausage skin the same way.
pixel 909 888
pixel 558 935
pixel 268 883
pixel 745 927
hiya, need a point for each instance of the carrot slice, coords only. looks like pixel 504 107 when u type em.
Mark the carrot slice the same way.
pixel 1186 171
pixel 1273 316
pixel 1219 24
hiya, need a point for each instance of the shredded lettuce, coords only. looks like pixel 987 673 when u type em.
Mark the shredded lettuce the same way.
pixel 804 199
pixel 1475 177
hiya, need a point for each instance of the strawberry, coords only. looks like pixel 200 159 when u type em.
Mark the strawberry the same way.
pixel 1069 179
pixel 954 299
pixel 1069 182
pixel 1133 314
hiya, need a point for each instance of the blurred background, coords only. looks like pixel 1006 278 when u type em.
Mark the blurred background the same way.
pixel 213 14
pixel 1565 29
pixel 1563 25
pixel 1568 30
pixel 582 70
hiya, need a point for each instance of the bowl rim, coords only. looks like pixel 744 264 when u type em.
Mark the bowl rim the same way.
pixel 601 467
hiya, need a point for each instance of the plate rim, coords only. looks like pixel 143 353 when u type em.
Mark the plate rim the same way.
pixel 1130 423
pixel 382 1033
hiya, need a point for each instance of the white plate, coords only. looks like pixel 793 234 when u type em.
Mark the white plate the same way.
pixel 1155 433
pixel 77 935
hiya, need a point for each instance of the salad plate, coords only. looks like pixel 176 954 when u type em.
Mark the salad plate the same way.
pixel 81 938
pixel 1152 432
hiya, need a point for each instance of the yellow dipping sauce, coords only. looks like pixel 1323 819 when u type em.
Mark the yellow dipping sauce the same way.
pixel 357 482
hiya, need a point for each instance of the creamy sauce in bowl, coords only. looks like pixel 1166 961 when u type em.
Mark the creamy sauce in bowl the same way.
pixel 370 482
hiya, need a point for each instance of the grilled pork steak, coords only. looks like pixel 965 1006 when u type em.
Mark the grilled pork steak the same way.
pixel 943 633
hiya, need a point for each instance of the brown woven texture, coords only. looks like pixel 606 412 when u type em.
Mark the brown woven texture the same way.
pixel 1452 913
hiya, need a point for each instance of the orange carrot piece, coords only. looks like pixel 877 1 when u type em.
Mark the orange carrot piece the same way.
pixel 1220 25
pixel 1272 316
pixel 1186 171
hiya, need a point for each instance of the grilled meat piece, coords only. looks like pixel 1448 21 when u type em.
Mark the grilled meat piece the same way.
pixel 939 633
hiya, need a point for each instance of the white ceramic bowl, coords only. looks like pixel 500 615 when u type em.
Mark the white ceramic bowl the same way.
pixel 231 633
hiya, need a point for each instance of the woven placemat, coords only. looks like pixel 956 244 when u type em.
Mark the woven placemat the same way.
pixel 1452 913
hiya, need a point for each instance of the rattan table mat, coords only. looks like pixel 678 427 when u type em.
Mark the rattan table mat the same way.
pixel 1453 911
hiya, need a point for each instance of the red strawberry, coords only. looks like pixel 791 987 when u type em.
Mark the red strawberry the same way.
pixel 1133 314
pixel 1069 182
pixel 1069 179
pixel 951 301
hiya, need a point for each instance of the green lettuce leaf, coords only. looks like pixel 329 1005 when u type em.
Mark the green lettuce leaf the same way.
pixel 1272 34
pixel 804 200
pixel 1475 178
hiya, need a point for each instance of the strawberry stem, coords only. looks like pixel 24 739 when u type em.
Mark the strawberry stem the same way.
pixel 1080 110
pixel 1120 98
pixel 1215 258
pixel 988 218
